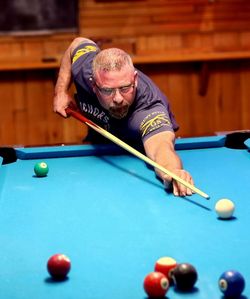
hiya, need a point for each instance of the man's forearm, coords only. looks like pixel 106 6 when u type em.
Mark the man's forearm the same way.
pixel 168 158
pixel 160 148
pixel 64 76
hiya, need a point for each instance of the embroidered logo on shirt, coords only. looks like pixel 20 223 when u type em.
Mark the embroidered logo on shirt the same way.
pixel 83 51
pixel 154 121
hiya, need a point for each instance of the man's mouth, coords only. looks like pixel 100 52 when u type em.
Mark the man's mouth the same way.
pixel 119 112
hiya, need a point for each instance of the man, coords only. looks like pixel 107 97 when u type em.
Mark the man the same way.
pixel 124 101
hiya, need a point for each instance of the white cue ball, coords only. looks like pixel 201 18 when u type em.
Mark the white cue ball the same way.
pixel 224 208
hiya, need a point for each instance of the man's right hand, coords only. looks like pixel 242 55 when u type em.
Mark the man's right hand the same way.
pixel 61 102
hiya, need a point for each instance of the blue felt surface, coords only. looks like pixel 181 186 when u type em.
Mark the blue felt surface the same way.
pixel 247 142
pixel 112 217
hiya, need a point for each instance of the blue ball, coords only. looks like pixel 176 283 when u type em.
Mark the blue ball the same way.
pixel 231 283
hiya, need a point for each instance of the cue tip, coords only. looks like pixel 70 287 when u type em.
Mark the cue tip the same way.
pixel 201 193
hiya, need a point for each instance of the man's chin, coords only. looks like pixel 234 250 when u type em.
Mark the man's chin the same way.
pixel 119 113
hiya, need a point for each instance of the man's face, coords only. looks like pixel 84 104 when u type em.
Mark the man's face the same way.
pixel 116 90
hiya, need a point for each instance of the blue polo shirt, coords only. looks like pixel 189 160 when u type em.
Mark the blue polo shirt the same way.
pixel 149 114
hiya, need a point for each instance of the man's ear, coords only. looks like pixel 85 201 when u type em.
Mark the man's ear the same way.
pixel 136 78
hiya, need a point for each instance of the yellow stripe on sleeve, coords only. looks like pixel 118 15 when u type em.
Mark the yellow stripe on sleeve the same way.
pixel 83 51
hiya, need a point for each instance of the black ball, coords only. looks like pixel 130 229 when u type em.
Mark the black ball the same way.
pixel 184 276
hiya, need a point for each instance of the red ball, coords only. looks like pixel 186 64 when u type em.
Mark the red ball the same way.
pixel 58 266
pixel 165 265
pixel 156 284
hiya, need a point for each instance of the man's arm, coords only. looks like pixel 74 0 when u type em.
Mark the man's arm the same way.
pixel 160 148
pixel 62 98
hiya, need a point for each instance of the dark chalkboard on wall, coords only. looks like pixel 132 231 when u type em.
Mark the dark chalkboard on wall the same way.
pixel 38 16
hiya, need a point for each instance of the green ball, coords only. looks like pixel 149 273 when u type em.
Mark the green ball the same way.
pixel 41 169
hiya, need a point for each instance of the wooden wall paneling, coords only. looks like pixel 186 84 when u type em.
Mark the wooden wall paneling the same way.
pixel 63 130
pixel 9 50
pixel 125 14
pixel 74 131
pixel 161 17
pixel 158 44
pixel 204 78
pixel 20 109
pixel 180 29
pixel 225 106
pixel 14 111
pixel 173 80
pixel 190 107
pixel 54 48
pixel 230 104
pixel 51 50
pixel 127 45
pixel 197 42
pixel 203 105
pixel 226 41
pixel 181 101
pixel 54 132
pixel 245 40
pixel 245 95
pixel 27 116
pixel 36 108
pixel 221 113
pixel 7 125
pixel 118 20
pixel 32 50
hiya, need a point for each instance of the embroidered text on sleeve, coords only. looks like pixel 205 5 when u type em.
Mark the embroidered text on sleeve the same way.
pixel 154 121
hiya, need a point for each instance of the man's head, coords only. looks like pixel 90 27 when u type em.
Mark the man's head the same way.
pixel 114 81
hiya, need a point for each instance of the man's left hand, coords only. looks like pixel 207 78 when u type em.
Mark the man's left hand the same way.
pixel 178 188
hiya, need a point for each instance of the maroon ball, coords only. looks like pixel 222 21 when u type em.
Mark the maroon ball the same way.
pixel 59 266
pixel 184 276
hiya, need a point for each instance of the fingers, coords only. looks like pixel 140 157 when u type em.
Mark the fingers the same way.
pixel 167 184
pixel 61 102
pixel 62 112
pixel 178 188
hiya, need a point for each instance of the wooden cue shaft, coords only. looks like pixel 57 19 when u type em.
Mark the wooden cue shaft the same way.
pixel 133 151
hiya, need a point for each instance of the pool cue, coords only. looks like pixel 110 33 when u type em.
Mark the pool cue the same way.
pixel 133 151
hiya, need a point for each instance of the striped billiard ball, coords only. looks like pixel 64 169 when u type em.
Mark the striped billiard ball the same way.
pixel 231 283
pixel 166 266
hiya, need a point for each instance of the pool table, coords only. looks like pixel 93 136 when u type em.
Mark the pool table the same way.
pixel 106 210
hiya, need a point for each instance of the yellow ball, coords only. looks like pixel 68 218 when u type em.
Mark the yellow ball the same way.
pixel 224 208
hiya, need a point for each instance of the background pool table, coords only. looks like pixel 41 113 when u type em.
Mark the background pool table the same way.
pixel 106 210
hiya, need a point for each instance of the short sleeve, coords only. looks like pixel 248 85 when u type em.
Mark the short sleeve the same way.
pixel 82 58
pixel 153 121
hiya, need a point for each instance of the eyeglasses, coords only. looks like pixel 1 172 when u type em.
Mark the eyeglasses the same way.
pixel 112 91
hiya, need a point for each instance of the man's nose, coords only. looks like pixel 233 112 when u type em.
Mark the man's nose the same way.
pixel 118 98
